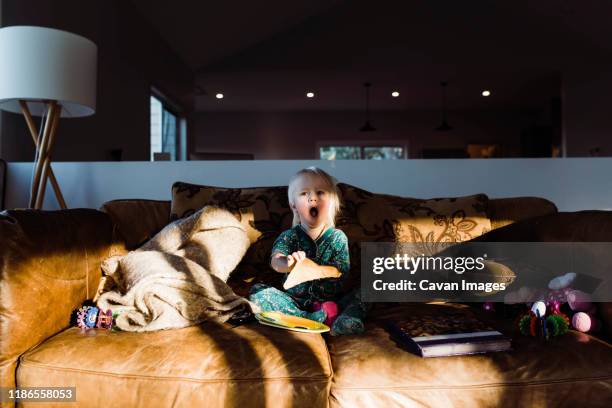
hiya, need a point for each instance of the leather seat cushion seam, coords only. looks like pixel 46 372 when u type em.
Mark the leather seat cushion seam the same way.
pixel 322 379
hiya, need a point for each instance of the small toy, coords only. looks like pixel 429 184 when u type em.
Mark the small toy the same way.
pixel 579 301
pixel 560 292
pixel 584 319
pixel 555 306
pixel 539 308
pixel 90 316
pixel 559 324
pixel 544 327
pixel 562 282
pixel 560 288
pixel 583 322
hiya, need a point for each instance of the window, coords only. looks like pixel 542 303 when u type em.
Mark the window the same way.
pixel 168 131
pixel 340 152
pixel 383 152
pixel 366 151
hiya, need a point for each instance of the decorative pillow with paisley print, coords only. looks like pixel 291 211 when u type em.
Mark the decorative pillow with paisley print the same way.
pixel 433 224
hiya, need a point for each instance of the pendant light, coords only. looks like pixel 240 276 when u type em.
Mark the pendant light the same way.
pixel 367 127
pixel 444 126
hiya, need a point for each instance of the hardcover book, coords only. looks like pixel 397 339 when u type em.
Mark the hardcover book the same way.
pixel 447 335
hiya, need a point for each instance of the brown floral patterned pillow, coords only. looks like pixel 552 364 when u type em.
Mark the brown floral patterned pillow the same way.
pixel 265 213
pixel 432 223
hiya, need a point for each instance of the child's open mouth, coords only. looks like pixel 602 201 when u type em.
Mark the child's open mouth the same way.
pixel 314 212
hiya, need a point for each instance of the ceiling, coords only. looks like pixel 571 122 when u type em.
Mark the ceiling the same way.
pixel 267 55
pixel 202 32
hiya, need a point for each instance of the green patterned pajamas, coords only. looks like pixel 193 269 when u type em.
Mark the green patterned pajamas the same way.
pixel 330 249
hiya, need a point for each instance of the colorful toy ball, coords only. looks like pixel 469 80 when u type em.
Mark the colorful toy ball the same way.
pixel 581 322
pixel 90 316
pixel 551 326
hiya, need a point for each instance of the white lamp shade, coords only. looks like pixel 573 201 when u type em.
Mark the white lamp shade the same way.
pixel 38 63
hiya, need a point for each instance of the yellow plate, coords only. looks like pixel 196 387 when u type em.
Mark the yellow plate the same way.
pixel 288 322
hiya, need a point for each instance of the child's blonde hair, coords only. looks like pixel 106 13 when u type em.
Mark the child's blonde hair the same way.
pixel 333 191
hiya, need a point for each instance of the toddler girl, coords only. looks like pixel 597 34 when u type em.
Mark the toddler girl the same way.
pixel 314 257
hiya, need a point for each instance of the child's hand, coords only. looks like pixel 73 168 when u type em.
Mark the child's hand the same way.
pixel 295 258
pixel 285 263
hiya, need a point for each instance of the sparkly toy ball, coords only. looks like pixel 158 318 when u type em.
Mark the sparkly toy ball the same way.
pixel 551 326
pixel 581 322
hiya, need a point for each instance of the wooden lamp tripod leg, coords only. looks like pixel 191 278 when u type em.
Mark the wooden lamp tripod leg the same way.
pixel 41 153
pixel 34 133
pixel 46 164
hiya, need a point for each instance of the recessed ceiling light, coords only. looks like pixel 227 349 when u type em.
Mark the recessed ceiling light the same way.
pixel 395 94
pixel 486 92
pixel 310 94
pixel 219 96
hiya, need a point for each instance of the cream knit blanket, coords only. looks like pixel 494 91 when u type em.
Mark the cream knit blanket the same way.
pixel 178 278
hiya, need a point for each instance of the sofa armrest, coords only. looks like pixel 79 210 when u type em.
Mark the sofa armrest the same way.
pixel 49 265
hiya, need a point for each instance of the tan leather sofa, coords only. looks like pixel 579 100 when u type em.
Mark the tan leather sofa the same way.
pixel 49 265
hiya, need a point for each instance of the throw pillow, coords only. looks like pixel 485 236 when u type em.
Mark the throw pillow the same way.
pixel 430 223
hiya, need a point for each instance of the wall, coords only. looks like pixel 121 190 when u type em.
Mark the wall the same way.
pixel 131 58
pixel 294 135
pixel 560 180
pixel 1 115
pixel 587 113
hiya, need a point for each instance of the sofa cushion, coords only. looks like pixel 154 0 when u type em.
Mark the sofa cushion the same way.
pixel 209 365
pixel 579 226
pixel 371 370
pixel 504 211
pixel 265 213
pixel 369 217
pixel 136 221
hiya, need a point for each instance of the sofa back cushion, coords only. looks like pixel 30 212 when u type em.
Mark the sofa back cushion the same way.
pixel 136 221
pixel 364 217
pixel 505 211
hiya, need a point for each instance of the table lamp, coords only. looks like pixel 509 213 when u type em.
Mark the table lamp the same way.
pixel 48 73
